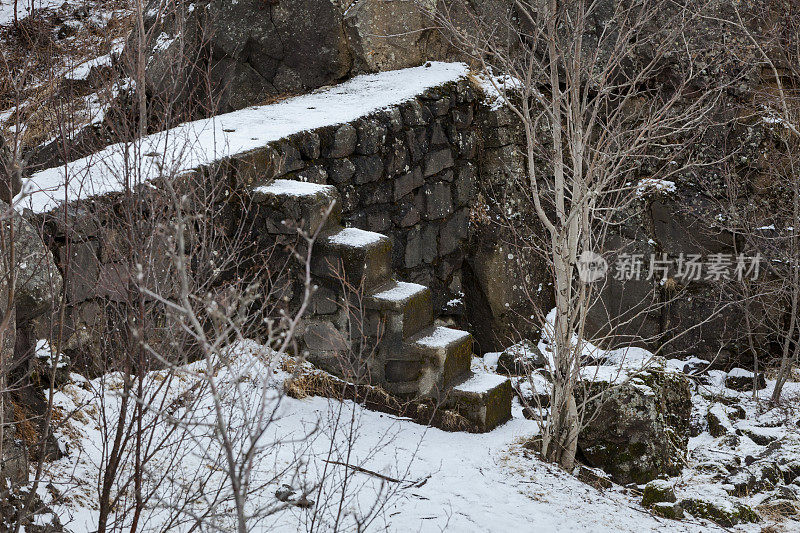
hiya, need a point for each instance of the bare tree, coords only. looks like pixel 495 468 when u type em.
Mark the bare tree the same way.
pixel 584 80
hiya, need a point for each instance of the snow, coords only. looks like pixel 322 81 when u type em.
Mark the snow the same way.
pixel 294 188
pixel 441 337
pixel 24 8
pixel 450 481
pixel 355 238
pixel 740 373
pixel 481 382
pixel 194 144
pixel 648 185
pixel 82 71
pixel 400 291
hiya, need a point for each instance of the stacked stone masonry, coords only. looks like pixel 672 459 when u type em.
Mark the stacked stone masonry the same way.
pixel 408 172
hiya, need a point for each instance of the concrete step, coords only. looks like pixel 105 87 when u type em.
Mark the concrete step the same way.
pixel 443 353
pixel 289 204
pixel 483 399
pixel 401 309
pixel 360 255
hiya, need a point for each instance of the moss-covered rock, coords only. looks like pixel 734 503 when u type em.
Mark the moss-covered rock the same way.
pixel 658 491
pixel 673 510
pixel 722 512
pixel 639 431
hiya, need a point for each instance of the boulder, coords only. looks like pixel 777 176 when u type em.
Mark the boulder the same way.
pixel 722 512
pixel 38 282
pixel 520 359
pixel 742 380
pixel 390 35
pixel 658 491
pixel 254 49
pixel 639 430
pixel 673 510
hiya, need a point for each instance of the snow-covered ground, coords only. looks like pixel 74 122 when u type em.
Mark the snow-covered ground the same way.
pixel 447 481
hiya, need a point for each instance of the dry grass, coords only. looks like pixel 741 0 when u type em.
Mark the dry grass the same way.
pixel 307 382
pixel 33 62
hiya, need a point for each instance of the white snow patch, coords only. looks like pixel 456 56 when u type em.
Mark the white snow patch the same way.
pixel 650 185
pixel 355 238
pixel 441 337
pixel 481 382
pixel 399 291
pixel 294 188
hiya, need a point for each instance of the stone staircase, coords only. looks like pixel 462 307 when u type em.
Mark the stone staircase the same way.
pixel 361 315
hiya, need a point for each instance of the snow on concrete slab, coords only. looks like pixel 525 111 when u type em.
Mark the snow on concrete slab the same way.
pixel 295 188
pixel 355 238
pixel 202 142
pixel 441 337
pixel 480 383
pixel 399 292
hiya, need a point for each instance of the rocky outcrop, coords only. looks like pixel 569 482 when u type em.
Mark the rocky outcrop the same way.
pixel 390 35
pixel 38 280
pixel 639 430
pixel 252 51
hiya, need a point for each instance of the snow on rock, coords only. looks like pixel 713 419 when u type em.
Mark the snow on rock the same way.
pixel 355 238
pixel 441 337
pixel 650 185
pixel 294 188
pixel 202 142
pixel 481 382
pixel 400 291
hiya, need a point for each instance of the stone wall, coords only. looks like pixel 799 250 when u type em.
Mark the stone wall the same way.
pixel 408 172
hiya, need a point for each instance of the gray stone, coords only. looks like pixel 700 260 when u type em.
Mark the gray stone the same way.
pixel 520 359
pixel 640 430
pixel 368 168
pixel 260 50
pixel 344 141
pixel 407 215
pixel 38 280
pixel 395 120
pixel 314 174
pixel 462 118
pixel 398 158
pixel 440 107
pixel 742 380
pixel 371 136
pixel 379 221
pixel 391 35
pixel 438 136
pixel 84 267
pixel 323 302
pixel 435 162
pixel 376 193
pixel 341 170
pixel 413 252
pixel 309 144
pixel 430 251
pixel 415 114
pixel 438 201
pixel 454 232
pixel 408 182
pixel 290 157
pixel 466 144
pixel 464 189
pixel 323 335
